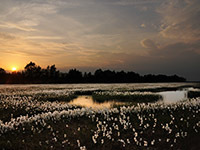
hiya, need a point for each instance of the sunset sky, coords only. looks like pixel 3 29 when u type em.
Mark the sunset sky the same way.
pixel 145 36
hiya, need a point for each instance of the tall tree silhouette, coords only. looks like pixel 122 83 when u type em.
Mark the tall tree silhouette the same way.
pixel 2 71
pixel 74 76
pixel 2 75
pixel 32 71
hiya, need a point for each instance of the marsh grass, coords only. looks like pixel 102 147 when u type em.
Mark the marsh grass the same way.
pixel 193 94
pixel 162 89
pixel 64 133
pixel 136 98
pixel 52 97
pixel 161 126
pixel 87 92
pixel 61 134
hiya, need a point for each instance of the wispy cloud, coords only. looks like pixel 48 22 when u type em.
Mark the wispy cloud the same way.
pixel 135 2
pixel 17 45
pixel 181 20
pixel 44 37
pixel 147 43
pixel 6 36
pixel 15 26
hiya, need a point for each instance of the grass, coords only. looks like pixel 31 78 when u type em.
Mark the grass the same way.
pixel 45 121
pixel 52 98
pixel 67 132
pixel 137 98
pixel 162 89
pixel 13 107
pixel 51 137
pixel 87 92
pixel 193 94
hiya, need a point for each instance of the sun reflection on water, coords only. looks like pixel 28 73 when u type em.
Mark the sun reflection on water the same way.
pixel 87 101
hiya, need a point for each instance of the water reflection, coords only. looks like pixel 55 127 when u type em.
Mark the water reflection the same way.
pixel 173 96
pixel 87 101
pixel 167 97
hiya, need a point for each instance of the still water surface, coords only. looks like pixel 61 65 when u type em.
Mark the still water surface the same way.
pixel 174 96
pixel 87 101
pixel 167 97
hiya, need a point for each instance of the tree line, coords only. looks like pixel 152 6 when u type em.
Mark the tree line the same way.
pixel 33 74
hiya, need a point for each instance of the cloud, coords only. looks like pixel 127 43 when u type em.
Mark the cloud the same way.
pixel 44 37
pixel 177 58
pixel 20 46
pixel 135 2
pixel 149 44
pixel 100 33
pixel 143 25
pixel 6 36
pixel 25 15
pixel 180 20
pixel 175 49
pixel 15 26
pixel 178 50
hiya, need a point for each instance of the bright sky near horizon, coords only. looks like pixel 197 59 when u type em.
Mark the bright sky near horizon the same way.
pixel 145 36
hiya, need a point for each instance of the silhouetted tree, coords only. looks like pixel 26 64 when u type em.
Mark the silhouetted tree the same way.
pixel 2 71
pixel 53 72
pixel 74 76
pixel 98 76
pixel 88 77
pixel 35 74
pixel 2 75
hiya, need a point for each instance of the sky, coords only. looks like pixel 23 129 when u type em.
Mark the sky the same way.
pixel 145 36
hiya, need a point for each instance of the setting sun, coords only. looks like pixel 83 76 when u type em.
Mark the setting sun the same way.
pixel 14 69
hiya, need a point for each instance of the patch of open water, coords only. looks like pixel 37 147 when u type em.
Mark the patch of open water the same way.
pixel 88 101
pixel 173 96
pixel 167 97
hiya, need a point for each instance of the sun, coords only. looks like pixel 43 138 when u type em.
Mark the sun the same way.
pixel 14 69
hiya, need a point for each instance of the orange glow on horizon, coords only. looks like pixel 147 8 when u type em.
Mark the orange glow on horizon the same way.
pixel 14 69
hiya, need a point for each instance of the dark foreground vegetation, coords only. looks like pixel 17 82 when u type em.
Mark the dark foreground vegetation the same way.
pixel 136 98
pixel 34 118
pixel 163 127
pixel 33 73
pixel 193 94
